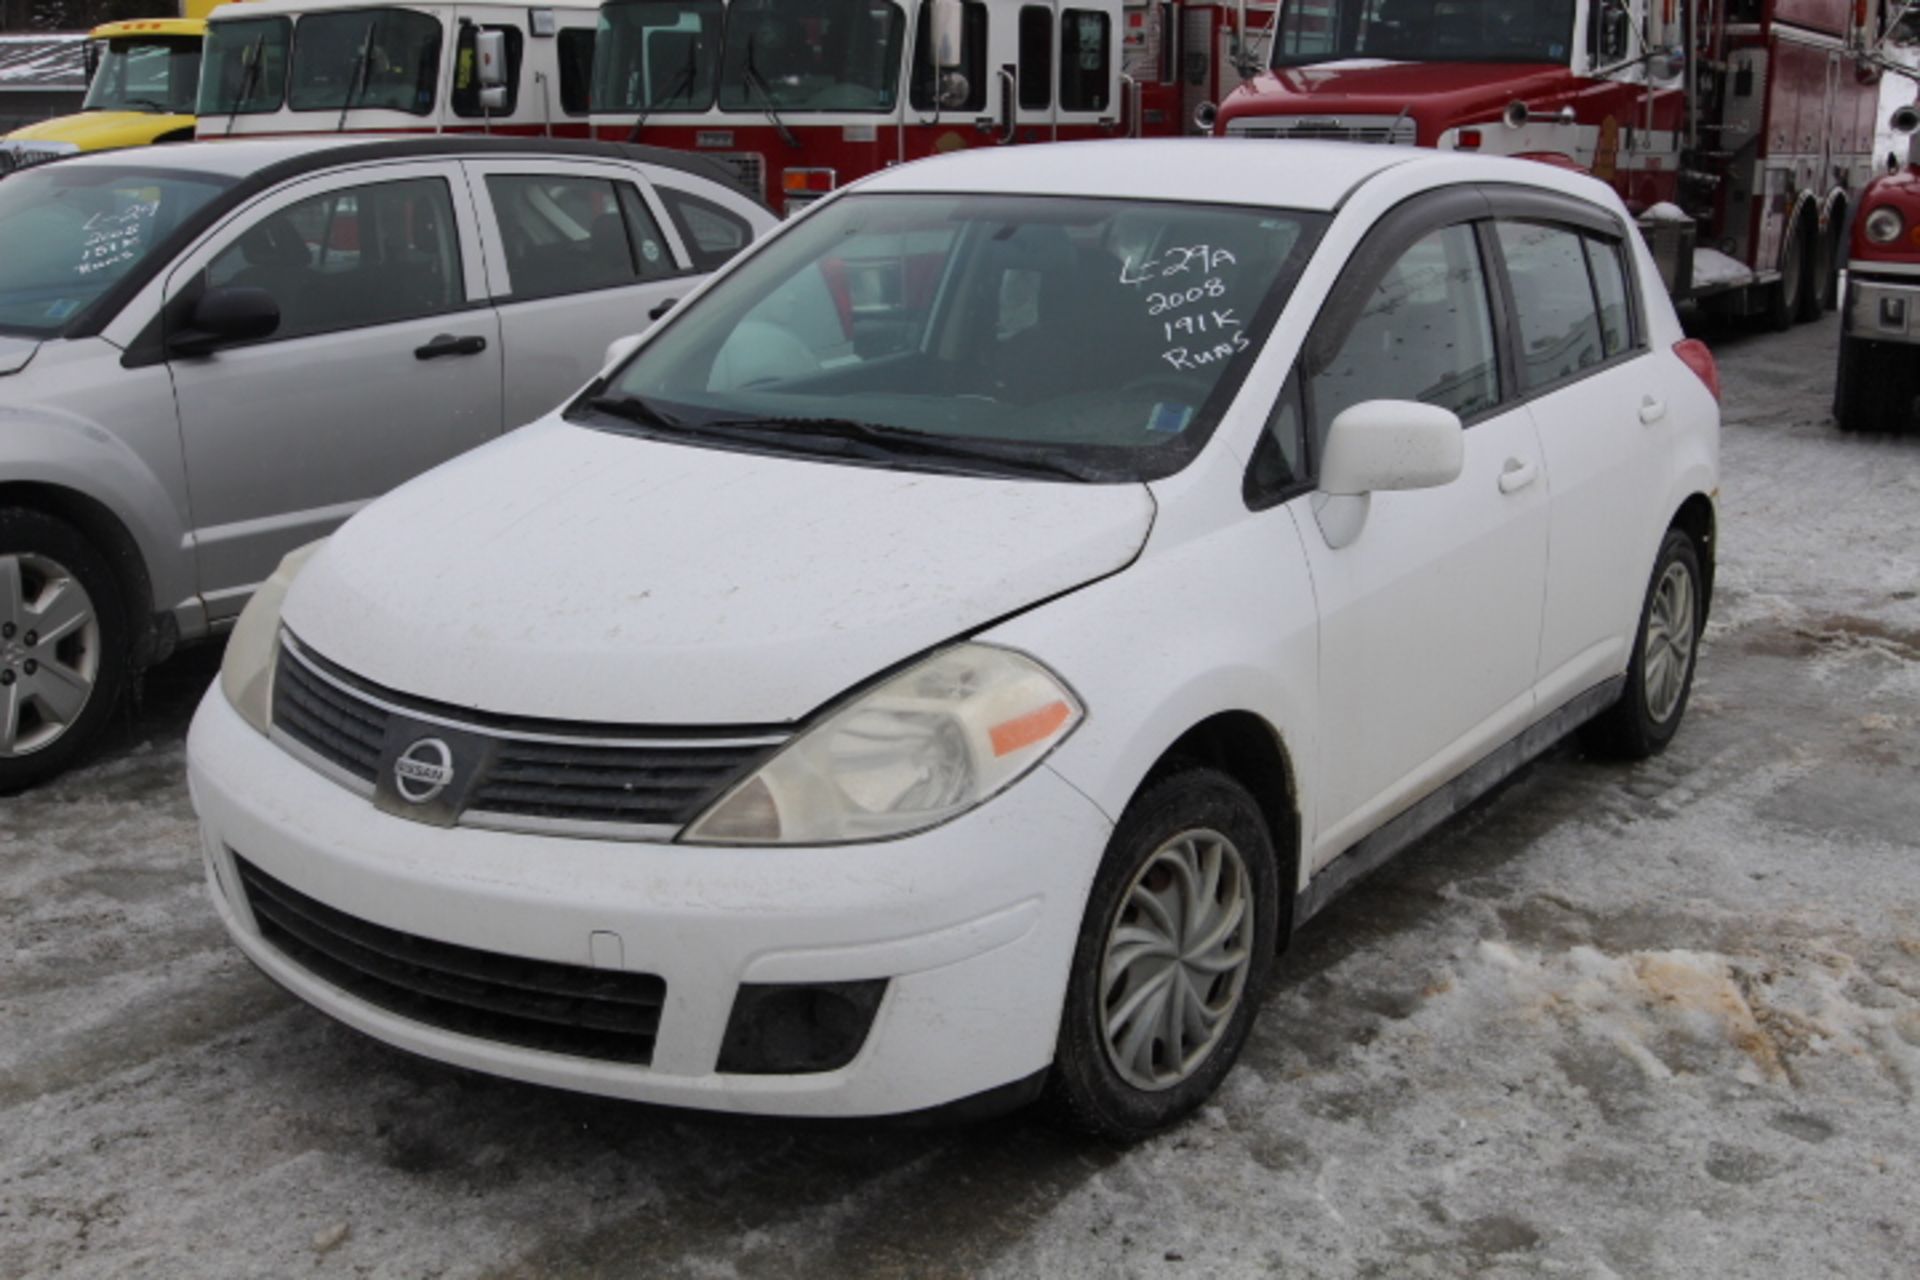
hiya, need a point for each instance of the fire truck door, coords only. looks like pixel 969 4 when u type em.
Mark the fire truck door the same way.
pixel 1198 24
pixel 1027 89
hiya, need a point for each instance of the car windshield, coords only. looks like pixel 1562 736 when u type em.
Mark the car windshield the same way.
pixel 656 55
pixel 1310 31
pixel 72 231
pixel 1082 338
pixel 160 76
pixel 379 58
pixel 246 66
pixel 812 55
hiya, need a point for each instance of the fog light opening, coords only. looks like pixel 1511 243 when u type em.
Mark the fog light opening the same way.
pixel 798 1028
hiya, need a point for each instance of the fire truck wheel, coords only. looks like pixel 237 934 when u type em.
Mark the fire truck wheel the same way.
pixel 1836 253
pixel 1815 298
pixel 1785 296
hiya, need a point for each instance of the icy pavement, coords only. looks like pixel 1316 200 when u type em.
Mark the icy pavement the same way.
pixel 1650 1021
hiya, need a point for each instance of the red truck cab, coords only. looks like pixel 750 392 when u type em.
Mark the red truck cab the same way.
pixel 1879 374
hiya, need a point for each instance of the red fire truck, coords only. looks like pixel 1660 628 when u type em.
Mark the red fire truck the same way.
pixel 1878 382
pixel 1741 131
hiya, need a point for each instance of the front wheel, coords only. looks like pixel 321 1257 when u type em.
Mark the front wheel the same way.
pixel 1175 946
pixel 63 646
pixel 1660 676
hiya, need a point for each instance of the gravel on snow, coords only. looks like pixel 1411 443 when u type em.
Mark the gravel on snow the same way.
pixel 1660 1020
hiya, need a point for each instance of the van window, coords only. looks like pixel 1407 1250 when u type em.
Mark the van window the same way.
pixel 1084 49
pixel 1553 302
pixel 1425 333
pixel 1036 58
pixel 351 258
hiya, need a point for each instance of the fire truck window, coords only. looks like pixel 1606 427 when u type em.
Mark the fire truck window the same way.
pixel 712 234
pixel 351 258
pixel 973 59
pixel 656 55
pixel 1553 301
pixel 562 235
pixel 1085 38
pixel 1424 30
pixel 1036 58
pixel 388 59
pixel 1425 333
pixel 1610 287
pixel 811 55
pixel 466 72
pixel 575 51
pixel 244 67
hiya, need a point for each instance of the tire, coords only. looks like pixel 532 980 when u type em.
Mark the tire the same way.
pixel 1816 297
pixel 1787 297
pixel 1836 254
pixel 1850 394
pixel 1648 714
pixel 1171 834
pixel 56 690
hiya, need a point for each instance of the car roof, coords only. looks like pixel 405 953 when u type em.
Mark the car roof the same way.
pixel 1294 175
pixel 246 157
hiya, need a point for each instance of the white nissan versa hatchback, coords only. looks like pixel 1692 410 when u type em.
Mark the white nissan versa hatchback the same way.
pixel 944 661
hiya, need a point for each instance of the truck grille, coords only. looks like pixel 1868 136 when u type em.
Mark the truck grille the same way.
pixel 1400 132
pixel 536 775
pixel 537 1004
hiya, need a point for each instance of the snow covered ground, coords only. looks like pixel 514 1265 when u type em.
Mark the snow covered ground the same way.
pixel 1651 1021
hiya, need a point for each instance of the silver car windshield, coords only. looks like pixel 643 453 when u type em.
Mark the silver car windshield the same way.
pixel 1100 337
pixel 1309 31
pixel 73 231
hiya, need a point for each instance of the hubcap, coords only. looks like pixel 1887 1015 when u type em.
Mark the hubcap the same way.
pixel 1175 965
pixel 49 652
pixel 1670 636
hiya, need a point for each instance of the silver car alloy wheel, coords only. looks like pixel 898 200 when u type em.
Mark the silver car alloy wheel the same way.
pixel 49 652
pixel 1177 955
pixel 1668 655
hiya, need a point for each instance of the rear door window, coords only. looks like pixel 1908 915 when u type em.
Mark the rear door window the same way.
pixel 567 234
pixel 1553 300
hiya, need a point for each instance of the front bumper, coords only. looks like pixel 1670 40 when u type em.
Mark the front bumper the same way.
pixel 1881 308
pixel 973 925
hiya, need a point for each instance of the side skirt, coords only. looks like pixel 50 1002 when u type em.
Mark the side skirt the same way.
pixel 1489 772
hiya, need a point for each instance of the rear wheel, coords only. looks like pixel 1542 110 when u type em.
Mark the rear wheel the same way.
pixel 1817 298
pixel 1660 676
pixel 1785 295
pixel 1175 946
pixel 63 646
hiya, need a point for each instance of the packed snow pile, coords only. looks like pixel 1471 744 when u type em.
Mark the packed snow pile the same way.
pixel 1712 267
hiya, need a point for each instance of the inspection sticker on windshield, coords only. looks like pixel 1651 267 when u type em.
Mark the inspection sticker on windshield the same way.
pixel 1169 419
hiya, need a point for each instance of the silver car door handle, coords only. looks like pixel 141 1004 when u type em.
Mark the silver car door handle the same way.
pixel 445 344
pixel 1517 475
pixel 1652 410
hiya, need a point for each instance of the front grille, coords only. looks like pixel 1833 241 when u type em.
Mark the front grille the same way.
pixel 1377 129
pixel 538 774
pixel 537 1004
pixel 749 166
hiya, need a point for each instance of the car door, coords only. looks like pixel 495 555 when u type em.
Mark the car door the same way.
pixel 386 362
pixel 578 254
pixel 1600 410
pixel 1430 618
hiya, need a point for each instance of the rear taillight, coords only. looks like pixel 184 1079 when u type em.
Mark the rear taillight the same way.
pixel 1694 354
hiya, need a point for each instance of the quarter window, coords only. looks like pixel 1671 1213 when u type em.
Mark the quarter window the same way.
pixel 1610 287
pixel 1553 300
pixel 1425 333
pixel 1036 58
pixel 570 235
pixel 712 234
pixel 352 258
pixel 1084 36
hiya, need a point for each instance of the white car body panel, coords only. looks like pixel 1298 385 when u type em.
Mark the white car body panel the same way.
pixel 568 550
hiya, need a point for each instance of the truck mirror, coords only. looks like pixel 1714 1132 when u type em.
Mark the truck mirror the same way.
pixel 949 35
pixel 953 89
pixel 490 52
pixel 493 99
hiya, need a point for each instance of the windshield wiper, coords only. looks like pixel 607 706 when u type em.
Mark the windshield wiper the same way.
pixel 757 81
pixel 249 77
pixel 635 409
pixel 897 442
pixel 682 87
pixel 147 104
pixel 362 73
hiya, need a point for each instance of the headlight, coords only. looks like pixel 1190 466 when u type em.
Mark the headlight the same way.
pixel 246 672
pixel 1885 224
pixel 908 754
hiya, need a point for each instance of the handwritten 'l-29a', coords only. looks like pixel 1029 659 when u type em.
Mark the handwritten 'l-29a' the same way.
pixel 1202 259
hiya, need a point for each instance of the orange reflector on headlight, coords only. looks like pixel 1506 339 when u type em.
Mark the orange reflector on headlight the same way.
pixel 1023 731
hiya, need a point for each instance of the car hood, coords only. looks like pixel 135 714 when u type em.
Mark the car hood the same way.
pixel 575 574
pixel 101 130
pixel 15 352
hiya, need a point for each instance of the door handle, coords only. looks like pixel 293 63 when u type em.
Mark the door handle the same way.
pixel 1652 410
pixel 445 344
pixel 663 308
pixel 1517 475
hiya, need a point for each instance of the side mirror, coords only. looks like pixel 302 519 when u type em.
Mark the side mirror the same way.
pixel 223 317
pixel 1383 445
pixel 949 34
pixel 490 52
pixel 619 349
